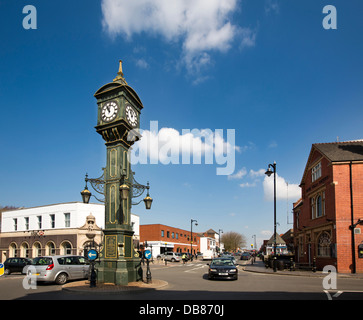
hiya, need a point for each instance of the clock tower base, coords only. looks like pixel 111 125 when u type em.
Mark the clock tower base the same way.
pixel 118 264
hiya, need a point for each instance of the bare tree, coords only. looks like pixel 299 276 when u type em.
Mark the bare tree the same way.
pixel 233 240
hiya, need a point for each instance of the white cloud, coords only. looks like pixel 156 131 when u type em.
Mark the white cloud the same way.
pixel 200 25
pixel 141 63
pixel 238 175
pixel 248 185
pixel 258 173
pixel 271 6
pixel 283 190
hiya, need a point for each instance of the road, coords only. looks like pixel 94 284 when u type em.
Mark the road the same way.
pixel 190 282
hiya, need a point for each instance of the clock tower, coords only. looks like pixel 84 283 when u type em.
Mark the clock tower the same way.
pixel 119 110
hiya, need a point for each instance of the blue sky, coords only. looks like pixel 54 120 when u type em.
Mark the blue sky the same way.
pixel 267 69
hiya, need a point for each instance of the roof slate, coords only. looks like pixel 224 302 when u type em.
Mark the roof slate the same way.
pixel 342 151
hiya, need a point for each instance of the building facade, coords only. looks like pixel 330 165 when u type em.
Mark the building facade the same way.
pixel 161 238
pixel 327 218
pixel 65 228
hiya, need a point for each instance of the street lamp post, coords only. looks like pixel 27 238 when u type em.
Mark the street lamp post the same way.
pixel 268 173
pixel 191 236
pixel 219 239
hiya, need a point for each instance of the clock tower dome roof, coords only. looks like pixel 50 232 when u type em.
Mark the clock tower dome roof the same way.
pixel 119 83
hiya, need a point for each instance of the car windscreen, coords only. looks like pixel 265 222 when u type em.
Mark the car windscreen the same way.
pixel 222 262
pixel 42 261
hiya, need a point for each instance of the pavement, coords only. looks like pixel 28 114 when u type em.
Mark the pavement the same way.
pixel 84 287
pixel 259 267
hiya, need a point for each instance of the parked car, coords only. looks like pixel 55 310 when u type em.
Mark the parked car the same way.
pixel 15 265
pixel 222 268
pixel 170 256
pixel 59 269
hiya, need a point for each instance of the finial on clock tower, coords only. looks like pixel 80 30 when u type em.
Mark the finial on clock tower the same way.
pixel 120 75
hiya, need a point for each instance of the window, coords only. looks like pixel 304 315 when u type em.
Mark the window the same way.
pixel 172 235
pixel 26 223
pixel 324 243
pixel 37 249
pixel 318 205
pixel 67 220
pixel 177 235
pixel 168 234
pixel 39 222
pixel 50 249
pixel 83 261
pixel 67 248
pixel 52 220
pixel 15 224
pixel 162 233
pixel 316 172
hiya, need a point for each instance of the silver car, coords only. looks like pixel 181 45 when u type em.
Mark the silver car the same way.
pixel 59 269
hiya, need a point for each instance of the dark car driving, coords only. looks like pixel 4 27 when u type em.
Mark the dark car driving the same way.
pixel 222 268
pixel 246 256
pixel 15 264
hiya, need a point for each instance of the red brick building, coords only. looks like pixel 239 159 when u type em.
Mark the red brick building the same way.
pixel 165 238
pixel 329 216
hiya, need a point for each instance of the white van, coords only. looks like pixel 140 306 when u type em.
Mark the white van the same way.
pixel 208 255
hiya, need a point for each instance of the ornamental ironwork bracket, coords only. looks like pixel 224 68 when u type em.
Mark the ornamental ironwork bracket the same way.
pixel 98 185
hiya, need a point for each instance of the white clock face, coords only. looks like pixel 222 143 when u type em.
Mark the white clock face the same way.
pixel 109 111
pixel 131 116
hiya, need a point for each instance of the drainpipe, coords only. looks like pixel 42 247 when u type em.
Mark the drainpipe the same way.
pixel 352 218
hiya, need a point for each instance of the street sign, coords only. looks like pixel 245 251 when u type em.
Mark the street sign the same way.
pixel 147 254
pixel 92 254
pixel 1 269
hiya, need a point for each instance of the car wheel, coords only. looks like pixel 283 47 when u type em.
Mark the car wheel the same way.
pixel 61 278
pixel 173 260
pixel 7 271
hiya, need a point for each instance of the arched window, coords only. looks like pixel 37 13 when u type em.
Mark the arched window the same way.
pixel 24 250
pixel 37 249
pixel 324 243
pixel 50 248
pixel 66 248
pixel 13 250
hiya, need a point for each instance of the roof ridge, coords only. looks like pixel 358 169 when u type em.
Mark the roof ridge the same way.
pixel 338 142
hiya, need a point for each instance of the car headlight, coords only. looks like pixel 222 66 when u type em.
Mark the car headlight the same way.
pixel 233 270
pixel 213 270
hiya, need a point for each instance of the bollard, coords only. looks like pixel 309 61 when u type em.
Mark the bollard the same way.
pixel 93 276
pixel 314 264
pixel 274 263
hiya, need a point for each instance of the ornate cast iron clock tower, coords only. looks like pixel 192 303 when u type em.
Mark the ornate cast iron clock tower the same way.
pixel 119 110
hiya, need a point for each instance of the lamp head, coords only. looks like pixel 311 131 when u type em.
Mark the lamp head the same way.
pixel 268 172
pixel 148 201
pixel 86 195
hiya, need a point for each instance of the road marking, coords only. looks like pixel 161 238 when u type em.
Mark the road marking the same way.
pixel 196 268
pixel 336 295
